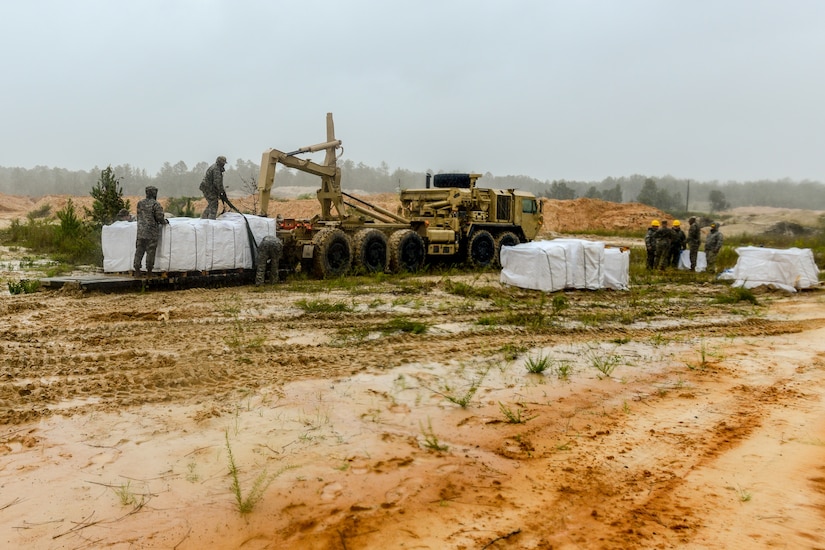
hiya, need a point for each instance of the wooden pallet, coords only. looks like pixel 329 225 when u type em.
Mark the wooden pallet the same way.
pixel 115 282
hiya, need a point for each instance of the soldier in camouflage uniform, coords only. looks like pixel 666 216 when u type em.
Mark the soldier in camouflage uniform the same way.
pixel 212 188
pixel 269 251
pixel 678 243
pixel 149 219
pixel 650 243
pixel 123 215
pixel 694 239
pixel 713 244
pixel 664 238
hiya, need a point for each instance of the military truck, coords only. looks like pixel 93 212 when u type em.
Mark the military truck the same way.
pixel 451 219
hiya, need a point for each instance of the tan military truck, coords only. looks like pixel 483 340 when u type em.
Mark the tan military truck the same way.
pixel 453 219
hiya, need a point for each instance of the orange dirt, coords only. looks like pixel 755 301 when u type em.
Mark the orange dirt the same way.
pixel 580 215
pixel 705 430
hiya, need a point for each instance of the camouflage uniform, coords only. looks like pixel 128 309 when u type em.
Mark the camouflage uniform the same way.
pixel 677 246
pixel 268 251
pixel 664 238
pixel 212 188
pixel 149 218
pixel 713 244
pixel 124 216
pixel 694 239
pixel 650 246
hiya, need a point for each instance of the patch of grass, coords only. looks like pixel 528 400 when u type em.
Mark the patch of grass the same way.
pixel 402 324
pixel 563 370
pixel 488 321
pixel 125 494
pixel 24 286
pixel 513 417
pixel 462 399
pixel 537 365
pixel 468 291
pixel 512 351
pixel 736 295
pixel 246 504
pixel 604 363
pixel 742 494
pixel 191 475
pixel 411 286
pixel 559 303
pixel 322 306
pixel 430 439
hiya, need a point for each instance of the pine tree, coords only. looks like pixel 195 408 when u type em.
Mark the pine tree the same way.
pixel 108 195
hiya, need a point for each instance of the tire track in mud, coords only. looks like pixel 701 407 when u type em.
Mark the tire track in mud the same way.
pixel 97 353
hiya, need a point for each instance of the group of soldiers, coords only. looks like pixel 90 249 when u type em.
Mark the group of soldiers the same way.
pixel 665 244
pixel 150 217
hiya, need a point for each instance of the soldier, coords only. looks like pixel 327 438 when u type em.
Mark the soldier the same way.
pixel 713 244
pixel 664 239
pixel 678 243
pixel 212 188
pixel 149 218
pixel 650 243
pixel 123 215
pixel 269 251
pixel 694 239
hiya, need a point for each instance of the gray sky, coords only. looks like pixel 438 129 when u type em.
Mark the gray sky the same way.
pixel 576 89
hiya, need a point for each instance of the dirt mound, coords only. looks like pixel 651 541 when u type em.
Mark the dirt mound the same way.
pixel 789 229
pixel 560 216
pixel 581 215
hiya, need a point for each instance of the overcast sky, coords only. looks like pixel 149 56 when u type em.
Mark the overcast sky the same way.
pixel 576 89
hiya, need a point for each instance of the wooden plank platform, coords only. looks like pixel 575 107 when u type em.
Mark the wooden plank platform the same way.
pixel 118 282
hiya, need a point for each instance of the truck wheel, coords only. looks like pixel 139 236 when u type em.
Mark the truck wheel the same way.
pixel 370 250
pixel 406 251
pixel 508 238
pixel 481 250
pixel 333 253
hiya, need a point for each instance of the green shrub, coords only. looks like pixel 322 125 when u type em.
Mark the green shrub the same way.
pixel 23 286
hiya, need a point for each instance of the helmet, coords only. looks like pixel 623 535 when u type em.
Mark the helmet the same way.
pixel 221 160
pixel 676 223
pixel 152 192
pixel 655 223
pixel 713 226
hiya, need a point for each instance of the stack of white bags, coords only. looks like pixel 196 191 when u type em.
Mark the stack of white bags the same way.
pixel 189 244
pixel 565 263
pixel 789 269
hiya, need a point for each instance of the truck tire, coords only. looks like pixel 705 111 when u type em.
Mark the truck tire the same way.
pixel 461 181
pixel 333 253
pixel 481 250
pixel 406 251
pixel 508 238
pixel 370 250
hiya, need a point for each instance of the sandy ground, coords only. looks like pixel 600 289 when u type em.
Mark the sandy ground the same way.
pixel 664 420
pixel 119 413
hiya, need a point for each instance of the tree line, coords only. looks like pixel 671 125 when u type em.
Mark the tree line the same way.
pixel 667 192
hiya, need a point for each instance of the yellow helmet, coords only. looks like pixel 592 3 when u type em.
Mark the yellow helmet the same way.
pixel 676 223
pixel 655 223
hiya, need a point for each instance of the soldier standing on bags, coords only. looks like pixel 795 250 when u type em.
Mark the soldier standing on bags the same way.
pixel 678 243
pixel 149 219
pixel 664 240
pixel 650 243
pixel 212 188
pixel 694 239
pixel 713 244
pixel 269 251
